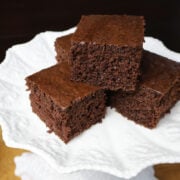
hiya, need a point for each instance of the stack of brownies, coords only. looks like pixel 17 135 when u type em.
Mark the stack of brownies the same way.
pixel 103 63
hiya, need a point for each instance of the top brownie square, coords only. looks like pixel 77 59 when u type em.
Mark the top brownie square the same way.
pixel 106 51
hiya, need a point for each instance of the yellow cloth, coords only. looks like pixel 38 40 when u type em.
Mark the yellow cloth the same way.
pixel 7 165
pixel 168 171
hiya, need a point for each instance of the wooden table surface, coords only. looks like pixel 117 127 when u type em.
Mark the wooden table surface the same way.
pixel 7 166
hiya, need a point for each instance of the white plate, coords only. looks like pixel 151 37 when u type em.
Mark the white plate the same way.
pixel 116 146
pixel 30 166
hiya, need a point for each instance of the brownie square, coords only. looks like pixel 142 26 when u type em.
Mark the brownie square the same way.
pixel 158 91
pixel 106 51
pixel 66 107
pixel 62 47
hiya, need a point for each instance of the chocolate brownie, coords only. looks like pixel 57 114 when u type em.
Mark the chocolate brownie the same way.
pixel 106 51
pixel 62 47
pixel 158 91
pixel 66 107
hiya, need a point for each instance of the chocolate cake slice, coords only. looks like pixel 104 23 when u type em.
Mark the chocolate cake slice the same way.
pixel 66 107
pixel 62 47
pixel 158 91
pixel 106 51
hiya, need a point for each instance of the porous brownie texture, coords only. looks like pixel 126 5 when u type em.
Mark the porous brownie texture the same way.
pixel 62 47
pixel 106 51
pixel 66 107
pixel 158 91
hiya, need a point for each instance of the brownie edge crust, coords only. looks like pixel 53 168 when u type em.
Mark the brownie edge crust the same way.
pixel 62 46
pixel 66 119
